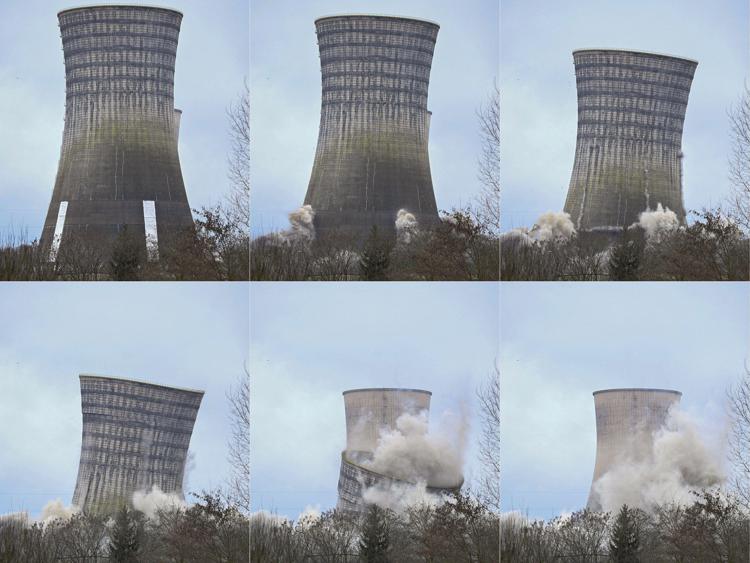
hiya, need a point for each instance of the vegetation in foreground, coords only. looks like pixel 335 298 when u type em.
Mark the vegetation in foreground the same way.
pixel 712 529
pixel 212 530
pixel 462 529
pixel 710 249
pixel 459 248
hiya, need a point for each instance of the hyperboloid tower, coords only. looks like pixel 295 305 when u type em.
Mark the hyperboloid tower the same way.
pixel 369 412
pixel 135 437
pixel 626 420
pixel 372 158
pixel 631 109
pixel 119 168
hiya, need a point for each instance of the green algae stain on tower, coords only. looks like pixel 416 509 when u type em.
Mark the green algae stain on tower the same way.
pixel 372 156
pixel 631 109
pixel 119 151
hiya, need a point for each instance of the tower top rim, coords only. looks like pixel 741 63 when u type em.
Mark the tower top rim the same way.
pixel 83 376
pixel 143 6
pixel 631 389
pixel 382 16
pixel 386 389
pixel 635 52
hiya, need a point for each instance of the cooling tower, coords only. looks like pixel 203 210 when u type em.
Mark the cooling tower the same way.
pixel 135 437
pixel 119 168
pixel 372 158
pixel 368 413
pixel 631 108
pixel 626 420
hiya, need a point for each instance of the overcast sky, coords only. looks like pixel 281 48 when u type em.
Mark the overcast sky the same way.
pixel 191 335
pixel 313 341
pixel 285 84
pixel 539 108
pixel 212 62
pixel 561 342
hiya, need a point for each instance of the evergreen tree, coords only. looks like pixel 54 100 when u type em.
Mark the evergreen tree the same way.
pixel 374 543
pixel 124 539
pixel 625 260
pixel 624 544
pixel 126 260
pixel 375 259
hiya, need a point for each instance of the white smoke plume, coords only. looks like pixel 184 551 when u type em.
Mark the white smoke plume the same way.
pixel 56 510
pixel 666 470
pixel 411 453
pixel 658 223
pixel 406 226
pixel 301 228
pixel 151 502
pixel 264 517
pixel 309 516
pixel 552 225
pixel 400 496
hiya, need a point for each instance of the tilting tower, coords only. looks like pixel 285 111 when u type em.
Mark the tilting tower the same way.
pixel 631 109
pixel 368 413
pixel 119 167
pixel 135 436
pixel 372 158
pixel 626 420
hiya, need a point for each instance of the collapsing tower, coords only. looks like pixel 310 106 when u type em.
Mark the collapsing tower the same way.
pixel 119 167
pixel 372 157
pixel 631 109
pixel 135 436
pixel 369 412
pixel 626 420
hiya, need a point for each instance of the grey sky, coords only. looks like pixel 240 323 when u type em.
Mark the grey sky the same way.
pixel 539 110
pixel 212 62
pixel 561 342
pixel 191 335
pixel 285 84
pixel 311 342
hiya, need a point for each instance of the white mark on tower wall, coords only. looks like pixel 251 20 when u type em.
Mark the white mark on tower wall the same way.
pixel 59 226
pixel 149 223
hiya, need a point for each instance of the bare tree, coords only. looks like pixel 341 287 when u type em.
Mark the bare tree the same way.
pixel 739 162
pixel 739 440
pixel 489 442
pixel 239 158
pixel 489 162
pixel 239 442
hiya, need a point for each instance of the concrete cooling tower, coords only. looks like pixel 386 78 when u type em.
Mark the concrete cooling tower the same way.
pixel 368 413
pixel 626 420
pixel 119 168
pixel 135 436
pixel 631 109
pixel 372 158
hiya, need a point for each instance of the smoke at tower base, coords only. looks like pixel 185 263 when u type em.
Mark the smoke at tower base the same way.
pixel 667 470
pixel 418 457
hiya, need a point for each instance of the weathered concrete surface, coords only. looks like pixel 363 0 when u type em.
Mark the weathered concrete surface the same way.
pixel 135 436
pixel 372 157
pixel 626 420
pixel 120 138
pixel 631 109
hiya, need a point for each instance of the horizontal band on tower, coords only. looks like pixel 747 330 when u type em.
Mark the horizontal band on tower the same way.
pixel 76 23
pixel 627 66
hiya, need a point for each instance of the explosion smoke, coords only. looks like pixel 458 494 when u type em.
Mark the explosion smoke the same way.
pixel 553 225
pixel 659 222
pixel 56 510
pixel 155 500
pixel 406 226
pixel 301 227
pixel 411 453
pixel 665 470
